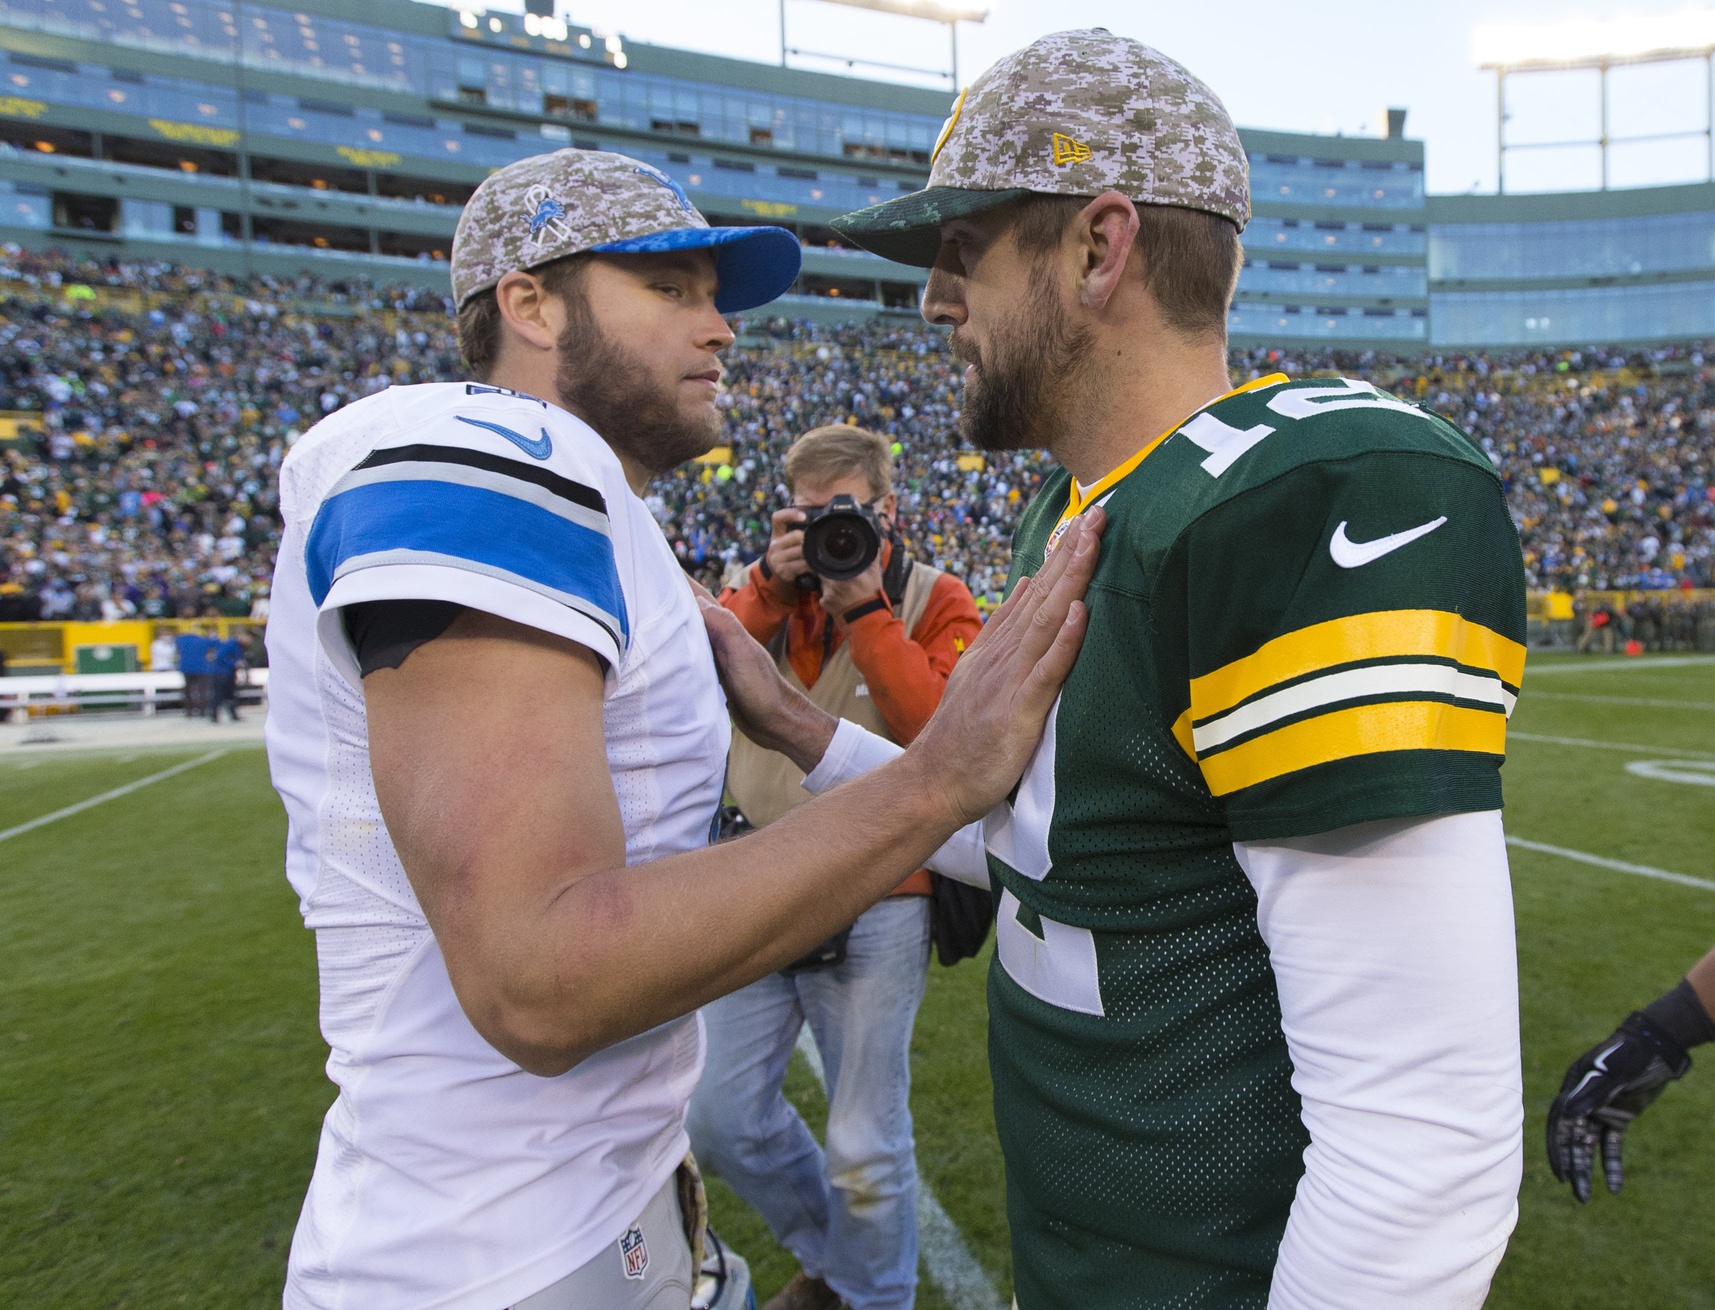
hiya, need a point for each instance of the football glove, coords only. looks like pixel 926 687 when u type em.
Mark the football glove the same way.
pixel 1605 1089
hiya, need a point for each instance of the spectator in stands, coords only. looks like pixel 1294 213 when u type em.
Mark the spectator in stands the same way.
pixel 875 649
pixel 164 429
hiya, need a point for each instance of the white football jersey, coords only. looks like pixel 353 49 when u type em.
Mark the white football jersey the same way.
pixel 447 1176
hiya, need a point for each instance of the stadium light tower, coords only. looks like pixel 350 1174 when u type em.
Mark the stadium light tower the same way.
pixel 949 12
pixel 1510 49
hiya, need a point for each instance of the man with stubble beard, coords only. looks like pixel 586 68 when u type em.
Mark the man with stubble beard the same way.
pixel 497 728
pixel 1253 1009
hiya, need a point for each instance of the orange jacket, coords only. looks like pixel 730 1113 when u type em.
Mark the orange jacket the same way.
pixel 906 672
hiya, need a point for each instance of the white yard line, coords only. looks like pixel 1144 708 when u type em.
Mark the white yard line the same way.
pixel 1630 746
pixel 1625 700
pixel 1618 866
pixel 9 833
pixel 1608 665
pixel 952 1268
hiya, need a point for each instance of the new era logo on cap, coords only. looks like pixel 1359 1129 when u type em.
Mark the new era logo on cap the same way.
pixel 1068 151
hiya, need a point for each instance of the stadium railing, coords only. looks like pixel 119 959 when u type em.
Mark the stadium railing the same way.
pixel 69 693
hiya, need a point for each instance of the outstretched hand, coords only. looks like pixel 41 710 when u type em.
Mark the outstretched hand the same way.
pixel 1604 1091
pixel 991 716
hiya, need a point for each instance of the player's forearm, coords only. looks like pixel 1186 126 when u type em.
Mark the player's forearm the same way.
pixel 852 752
pixel 624 950
pixel 1392 946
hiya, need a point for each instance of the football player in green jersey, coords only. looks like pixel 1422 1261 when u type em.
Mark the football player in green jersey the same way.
pixel 1254 1021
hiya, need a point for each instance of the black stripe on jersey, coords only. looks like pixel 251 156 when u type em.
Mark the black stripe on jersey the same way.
pixel 565 488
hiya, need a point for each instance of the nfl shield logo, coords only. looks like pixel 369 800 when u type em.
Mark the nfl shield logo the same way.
pixel 636 1254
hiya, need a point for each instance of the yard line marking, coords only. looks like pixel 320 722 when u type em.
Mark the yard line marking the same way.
pixel 1603 666
pixel 1619 866
pixel 952 1268
pixel 1699 773
pixel 1625 700
pixel 115 794
pixel 1610 745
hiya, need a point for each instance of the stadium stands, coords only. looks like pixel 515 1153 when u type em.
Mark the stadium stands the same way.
pixel 145 408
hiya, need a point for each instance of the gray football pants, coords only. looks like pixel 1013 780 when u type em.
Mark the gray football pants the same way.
pixel 662 1283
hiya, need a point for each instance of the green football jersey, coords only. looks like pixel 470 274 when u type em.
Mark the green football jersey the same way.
pixel 1308 613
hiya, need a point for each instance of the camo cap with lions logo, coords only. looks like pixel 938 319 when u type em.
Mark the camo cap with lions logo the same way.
pixel 548 206
pixel 1073 114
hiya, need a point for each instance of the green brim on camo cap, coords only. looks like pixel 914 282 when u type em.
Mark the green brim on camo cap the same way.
pixel 1073 114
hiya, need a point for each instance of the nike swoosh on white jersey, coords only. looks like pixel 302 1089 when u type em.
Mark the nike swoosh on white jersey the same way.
pixel 1349 554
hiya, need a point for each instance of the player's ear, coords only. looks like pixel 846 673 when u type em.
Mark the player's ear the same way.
pixel 528 311
pixel 1106 233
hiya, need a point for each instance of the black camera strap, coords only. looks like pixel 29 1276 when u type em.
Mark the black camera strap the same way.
pixel 898 573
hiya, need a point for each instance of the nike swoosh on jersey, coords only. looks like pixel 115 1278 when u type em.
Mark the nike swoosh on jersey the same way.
pixel 1349 554
pixel 540 448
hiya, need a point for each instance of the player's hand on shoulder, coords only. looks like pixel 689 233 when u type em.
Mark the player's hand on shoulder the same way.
pixel 974 749
pixel 1603 1092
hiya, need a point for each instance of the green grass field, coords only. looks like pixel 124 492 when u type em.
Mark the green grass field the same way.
pixel 161 1076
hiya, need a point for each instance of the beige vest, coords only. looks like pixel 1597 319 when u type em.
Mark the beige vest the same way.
pixel 765 785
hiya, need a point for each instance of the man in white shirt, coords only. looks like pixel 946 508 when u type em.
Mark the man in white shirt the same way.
pixel 497 728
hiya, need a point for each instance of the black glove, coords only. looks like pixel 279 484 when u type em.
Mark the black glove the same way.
pixel 1604 1090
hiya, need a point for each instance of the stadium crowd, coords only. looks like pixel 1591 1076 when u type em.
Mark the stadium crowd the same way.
pixel 156 403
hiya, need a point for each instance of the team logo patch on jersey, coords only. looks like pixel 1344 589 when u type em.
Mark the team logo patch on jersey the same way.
pixel 635 1253
pixel 1069 151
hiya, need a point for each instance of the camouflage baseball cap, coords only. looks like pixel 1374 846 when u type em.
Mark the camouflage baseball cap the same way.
pixel 1073 114
pixel 548 206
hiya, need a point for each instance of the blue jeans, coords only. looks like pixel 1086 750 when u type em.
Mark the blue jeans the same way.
pixel 849 1216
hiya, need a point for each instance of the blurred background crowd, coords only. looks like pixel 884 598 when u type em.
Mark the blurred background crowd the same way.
pixel 145 409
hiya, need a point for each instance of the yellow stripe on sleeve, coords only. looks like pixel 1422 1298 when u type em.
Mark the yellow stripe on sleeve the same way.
pixel 1359 730
pixel 1377 635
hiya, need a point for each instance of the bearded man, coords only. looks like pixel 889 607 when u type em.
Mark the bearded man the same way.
pixel 496 725
pixel 1253 1008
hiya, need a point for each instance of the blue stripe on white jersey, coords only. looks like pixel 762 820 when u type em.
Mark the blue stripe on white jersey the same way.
pixel 536 531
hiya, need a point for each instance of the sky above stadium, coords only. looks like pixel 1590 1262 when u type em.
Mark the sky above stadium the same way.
pixel 1323 66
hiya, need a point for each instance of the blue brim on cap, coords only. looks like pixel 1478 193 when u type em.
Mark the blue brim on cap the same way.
pixel 754 264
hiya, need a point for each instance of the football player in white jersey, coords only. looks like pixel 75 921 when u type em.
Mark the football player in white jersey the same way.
pixel 498 731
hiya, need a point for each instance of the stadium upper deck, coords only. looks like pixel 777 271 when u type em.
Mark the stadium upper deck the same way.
pixel 134 128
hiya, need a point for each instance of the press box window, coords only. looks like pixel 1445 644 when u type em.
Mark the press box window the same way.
pixel 80 213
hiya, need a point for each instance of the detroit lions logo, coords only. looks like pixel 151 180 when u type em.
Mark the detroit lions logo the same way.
pixel 548 219
pixel 671 185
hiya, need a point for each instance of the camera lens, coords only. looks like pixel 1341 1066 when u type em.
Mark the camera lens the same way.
pixel 841 540
pixel 843 545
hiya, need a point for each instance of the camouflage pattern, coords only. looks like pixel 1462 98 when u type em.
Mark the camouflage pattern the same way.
pixel 541 208
pixel 1075 113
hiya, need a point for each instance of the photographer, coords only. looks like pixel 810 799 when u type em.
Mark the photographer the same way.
pixel 874 646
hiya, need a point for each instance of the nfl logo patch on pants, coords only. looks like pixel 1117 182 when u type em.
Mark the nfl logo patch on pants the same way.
pixel 636 1254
